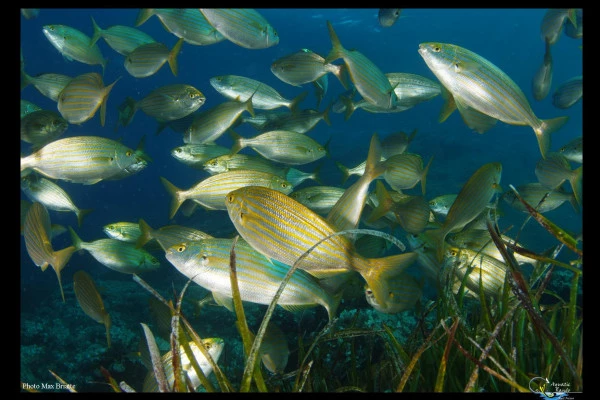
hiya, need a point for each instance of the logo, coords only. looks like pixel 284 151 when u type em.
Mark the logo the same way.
pixel 549 390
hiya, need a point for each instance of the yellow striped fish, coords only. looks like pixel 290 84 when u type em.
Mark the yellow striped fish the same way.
pixel 82 97
pixel 264 97
pixel 117 255
pixel 210 192
pixel 553 23
pixel 84 159
pixel 319 199
pixel 55 229
pixel 37 232
pixel 121 38
pixel 573 150
pixel 305 66
pixel 473 267
pixel 195 155
pixel 542 79
pixel 74 45
pixel 472 199
pixel 245 27
pixel 214 347
pixel 125 231
pixel 49 84
pixel 27 107
pixel 147 59
pixel 209 125
pixel 286 147
pixel 568 92
pixel 483 93
pixel 283 229
pixel 426 252
pixel 404 293
pixel 300 121
pixel 41 127
pixel 90 301
pixel 534 192
pixel 186 23
pixel 404 171
pixel 52 196
pixel 169 235
pixel 207 261
pixel 230 162
pixel 553 171
pixel 371 83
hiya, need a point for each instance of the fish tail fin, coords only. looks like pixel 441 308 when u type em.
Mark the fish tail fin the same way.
pixel 60 259
pixel 379 271
pixel 341 73
pixel 345 171
pixel 249 106
pixel 337 49
pixel 547 127
pixel 146 233
pixel 75 239
pixel 161 127
pixel 448 107
pixel 97 32
pixel 424 176
pixel 127 110
pixel 384 202
pixel 107 90
pixel 297 100
pixel 238 142
pixel 374 167
pixel 412 136
pixel 173 57
pixel 576 184
pixel 316 174
pixel 81 214
pixel 174 192
pixel 333 304
pixel 25 79
pixel 349 105
pixel 143 15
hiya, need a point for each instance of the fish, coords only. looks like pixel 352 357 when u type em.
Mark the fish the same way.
pixel 48 84
pixel 264 97
pixel 27 107
pixel 90 301
pixel 206 262
pixel 573 150
pixel 42 127
pixel 36 233
pixel 117 255
pixel 301 121
pixel 404 293
pixel 283 229
pixel 396 143
pixel 123 230
pixel 214 346
pixel 534 192
pixel 368 79
pixel 210 192
pixel 52 196
pixel 553 171
pixel 426 252
pixel 55 229
pixel 472 199
pixel 574 30
pixel 405 171
pixel 121 38
pixel 146 59
pixel 84 159
pixel 542 79
pixel 306 66
pixel 169 235
pixel 388 16
pixel 473 267
pixel 82 96
pixel 568 93
pixel 319 199
pixel 30 13
pixel 237 161
pixel 245 27
pixel 186 23
pixel 553 23
pixel 74 45
pixel 210 124
pixel 371 246
pixel 441 204
pixel 196 155
pixel 483 93
pixel 286 147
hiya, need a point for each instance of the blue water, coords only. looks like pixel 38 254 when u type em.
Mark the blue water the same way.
pixel 510 38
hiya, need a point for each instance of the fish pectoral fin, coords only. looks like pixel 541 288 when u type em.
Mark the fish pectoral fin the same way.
pixel 474 119
pixel 223 300
pixel 465 66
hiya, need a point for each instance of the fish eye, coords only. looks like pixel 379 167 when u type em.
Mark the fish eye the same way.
pixel 178 150
pixel 181 248
pixel 230 198
pixel 369 291
pixel 284 185
pixel 129 153
pixel 207 345
pixel 204 257
pixel 436 48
